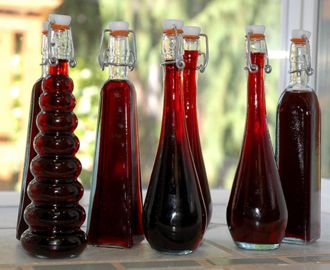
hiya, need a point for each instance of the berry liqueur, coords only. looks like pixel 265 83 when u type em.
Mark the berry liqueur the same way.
pixel 54 215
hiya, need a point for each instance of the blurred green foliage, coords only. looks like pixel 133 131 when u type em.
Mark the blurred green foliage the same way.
pixel 222 88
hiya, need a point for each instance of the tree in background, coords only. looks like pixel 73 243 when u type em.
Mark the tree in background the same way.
pixel 222 88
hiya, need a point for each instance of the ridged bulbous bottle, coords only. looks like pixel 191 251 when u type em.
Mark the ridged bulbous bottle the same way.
pixel 54 215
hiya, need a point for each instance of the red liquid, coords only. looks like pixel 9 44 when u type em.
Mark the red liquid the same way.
pixel 189 87
pixel 116 215
pixel 54 216
pixel 29 155
pixel 256 212
pixel 298 157
pixel 174 216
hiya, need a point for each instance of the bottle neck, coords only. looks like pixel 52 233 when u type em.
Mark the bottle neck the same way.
pixel 62 68
pixel 298 67
pixel 191 44
pixel 173 115
pixel 60 44
pixel 172 47
pixel 119 54
pixel 191 53
pixel 44 55
pixel 190 82
pixel 256 118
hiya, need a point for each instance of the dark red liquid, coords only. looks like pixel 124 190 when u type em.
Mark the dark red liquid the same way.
pixel 256 212
pixel 298 158
pixel 29 155
pixel 54 216
pixel 189 87
pixel 116 206
pixel 174 216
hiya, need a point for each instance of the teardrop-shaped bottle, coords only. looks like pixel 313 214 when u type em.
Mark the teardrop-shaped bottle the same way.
pixel 298 146
pixel 174 214
pixel 256 212
pixel 115 216
pixel 191 36
pixel 54 215
pixel 32 132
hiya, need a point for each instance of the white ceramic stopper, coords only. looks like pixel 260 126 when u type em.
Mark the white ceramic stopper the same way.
pixel 118 26
pixel 59 19
pixel 45 26
pixel 300 33
pixel 169 23
pixel 255 29
pixel 191 30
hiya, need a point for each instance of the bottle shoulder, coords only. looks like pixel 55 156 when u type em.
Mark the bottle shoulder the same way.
pixel 118 84
pixel 305 99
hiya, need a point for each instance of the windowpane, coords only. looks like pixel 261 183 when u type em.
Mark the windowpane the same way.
pixel 222 88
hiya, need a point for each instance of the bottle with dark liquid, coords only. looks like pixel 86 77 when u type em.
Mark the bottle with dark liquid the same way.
pixel 54 215
pixel 191 36
pixel 174 214
pixel 256 212
pixel 115 216
pixel 298 146
pixel 32 132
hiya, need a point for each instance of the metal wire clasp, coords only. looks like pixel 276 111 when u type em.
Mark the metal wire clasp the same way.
pixel 205 54
pixel 178 52
pixel 253 68
pixel 308 61
pixel 104 53
pixel 53 51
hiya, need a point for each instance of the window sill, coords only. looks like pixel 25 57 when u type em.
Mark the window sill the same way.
pixel 217 251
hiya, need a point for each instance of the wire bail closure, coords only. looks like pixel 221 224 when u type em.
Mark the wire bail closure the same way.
pixel 178 50
pixel 308 61
pixel 205 54
pixel 104 53
pixel 253 68
pixel 52 56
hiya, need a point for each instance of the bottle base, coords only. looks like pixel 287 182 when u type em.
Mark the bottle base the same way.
pixel 175 252
pixel 54 246
pixel 297 241
pixel 251 246
pixel 109 246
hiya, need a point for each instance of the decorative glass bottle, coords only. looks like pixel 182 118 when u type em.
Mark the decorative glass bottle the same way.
pixel 256 212
pixel 115 216
pixel 191 36
pixel 174 214
pixel 298 146
pixel 32 132
pixel 54 215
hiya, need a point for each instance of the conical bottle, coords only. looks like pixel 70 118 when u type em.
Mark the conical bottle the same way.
pixel 191 37
pixel 115 216
pixel 32 132
pixel 54 215
pixel 256 212
pixel 174 214
pixel 298 146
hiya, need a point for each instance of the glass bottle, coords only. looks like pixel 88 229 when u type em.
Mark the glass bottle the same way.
pixel 298 146
pixel 191 36
pixel 32 132
pixel 256 212
pixel 115 216
pixel 174 214
pixel 54 215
